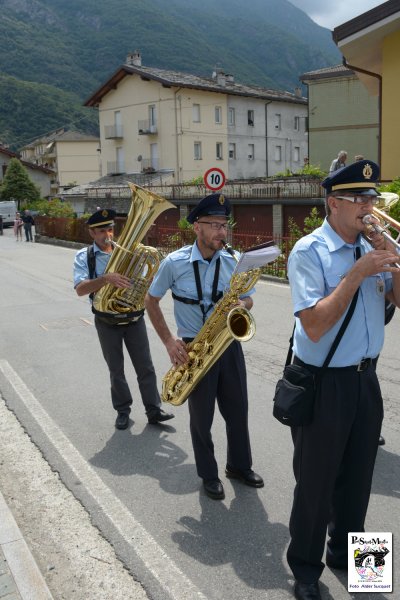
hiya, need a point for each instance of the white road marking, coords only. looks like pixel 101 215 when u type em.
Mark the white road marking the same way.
pixel 160 565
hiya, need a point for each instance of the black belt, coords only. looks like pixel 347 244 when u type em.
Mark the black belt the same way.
pixel 363 365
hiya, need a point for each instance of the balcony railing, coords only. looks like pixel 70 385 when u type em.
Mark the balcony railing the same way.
pixel 147 127
pixel 149 165
pixel 113 132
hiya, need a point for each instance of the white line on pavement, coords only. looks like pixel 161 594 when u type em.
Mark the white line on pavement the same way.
pixel 160 565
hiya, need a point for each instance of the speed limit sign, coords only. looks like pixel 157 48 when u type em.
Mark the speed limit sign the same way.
pixel 214 179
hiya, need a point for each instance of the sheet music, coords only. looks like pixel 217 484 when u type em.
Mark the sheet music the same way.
pixel 257 257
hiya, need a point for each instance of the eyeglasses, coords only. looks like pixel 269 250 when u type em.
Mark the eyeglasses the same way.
pixel 360 199
pixel 216 225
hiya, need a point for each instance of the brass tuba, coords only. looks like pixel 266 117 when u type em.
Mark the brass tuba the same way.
pixel 226 323
pixel 131 258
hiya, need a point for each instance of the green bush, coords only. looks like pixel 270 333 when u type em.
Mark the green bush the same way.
pixel 52 208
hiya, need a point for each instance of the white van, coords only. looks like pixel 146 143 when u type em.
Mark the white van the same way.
pixel 8 210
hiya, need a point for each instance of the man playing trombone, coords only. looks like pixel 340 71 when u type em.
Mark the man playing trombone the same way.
pixel 334 456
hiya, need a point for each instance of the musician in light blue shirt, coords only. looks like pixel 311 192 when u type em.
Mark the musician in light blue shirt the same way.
pixel 334 456
pixel 198 275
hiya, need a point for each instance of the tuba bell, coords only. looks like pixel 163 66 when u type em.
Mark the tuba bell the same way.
pixel 131 258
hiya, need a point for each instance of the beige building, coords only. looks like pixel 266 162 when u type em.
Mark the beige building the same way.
pixel 42 176
pixel 158 120
pixel 342 116
pixel 73 156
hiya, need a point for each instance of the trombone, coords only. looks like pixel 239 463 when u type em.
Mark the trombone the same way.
pixel 389 199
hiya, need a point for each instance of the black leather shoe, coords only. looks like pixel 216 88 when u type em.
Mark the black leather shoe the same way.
pixel 122 421
pixel 248 477
pixel 214 489
pixel 158 416
pixel 307 591
pixel 381 441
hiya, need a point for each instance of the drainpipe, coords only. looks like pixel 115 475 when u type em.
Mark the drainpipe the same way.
pixel 379 78
pixel 178 172
pixel 266 138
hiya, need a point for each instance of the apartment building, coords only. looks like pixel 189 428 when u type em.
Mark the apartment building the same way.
pixel 159 120
pixel 342 116
pixel 370 44
pixel 73 156
pixel 40 175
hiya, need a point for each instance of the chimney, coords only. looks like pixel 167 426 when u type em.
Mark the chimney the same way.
pixel 229 78
pixel 297 92
pixel 135 59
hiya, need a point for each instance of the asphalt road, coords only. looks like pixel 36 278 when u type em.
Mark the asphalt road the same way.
pixel 140 486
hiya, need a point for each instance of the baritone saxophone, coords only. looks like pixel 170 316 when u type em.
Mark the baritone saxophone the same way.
pixel 226 323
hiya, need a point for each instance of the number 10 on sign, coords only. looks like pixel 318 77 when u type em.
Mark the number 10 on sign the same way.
pixel 214 179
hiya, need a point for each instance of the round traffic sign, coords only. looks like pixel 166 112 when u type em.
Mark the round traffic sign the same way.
pixel 214 179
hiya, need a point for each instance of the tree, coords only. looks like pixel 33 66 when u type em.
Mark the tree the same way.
pixel 17 184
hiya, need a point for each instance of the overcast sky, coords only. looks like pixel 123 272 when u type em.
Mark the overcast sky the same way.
pixel 331 13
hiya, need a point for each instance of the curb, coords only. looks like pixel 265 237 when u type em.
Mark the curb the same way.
pixel 20 576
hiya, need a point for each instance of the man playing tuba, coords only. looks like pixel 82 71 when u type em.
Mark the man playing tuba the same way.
pixel 198 275
pixel 90 276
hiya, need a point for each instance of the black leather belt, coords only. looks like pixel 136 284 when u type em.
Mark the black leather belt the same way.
pixel 363 365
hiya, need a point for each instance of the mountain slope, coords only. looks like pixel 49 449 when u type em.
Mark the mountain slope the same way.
pixel 74 46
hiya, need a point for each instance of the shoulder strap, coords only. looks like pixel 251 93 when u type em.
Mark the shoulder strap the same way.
pixel 91 262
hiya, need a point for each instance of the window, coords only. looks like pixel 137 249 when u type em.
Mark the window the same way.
pixel 231 116
pixel 196 113
pixel 218 150
pixel 277 121
pixel 218 115
pixel 297 123
pixel 278 153
pixel 250 118
pixel 232 151
pixel 197 151
pixel 250 152
pixel 152 115
pixel 296 154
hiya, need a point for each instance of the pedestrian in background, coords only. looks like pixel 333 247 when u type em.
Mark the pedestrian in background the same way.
pixel 339 162
pixel 18 223
pixel 28 223
pixel 358 157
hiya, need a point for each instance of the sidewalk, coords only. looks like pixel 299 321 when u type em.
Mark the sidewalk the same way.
pixel 20 578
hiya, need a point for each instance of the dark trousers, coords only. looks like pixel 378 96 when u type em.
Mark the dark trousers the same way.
pixel 333 465
pixel 134 336
pixel 225 382
pixel 28 232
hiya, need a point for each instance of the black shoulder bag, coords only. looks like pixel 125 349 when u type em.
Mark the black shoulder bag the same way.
pixel 295 391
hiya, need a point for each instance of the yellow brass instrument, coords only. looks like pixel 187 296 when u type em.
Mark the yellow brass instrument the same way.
pixel 131 258
pixel 386 201
pixel 226 323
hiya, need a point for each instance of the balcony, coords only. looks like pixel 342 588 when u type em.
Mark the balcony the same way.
pixel 149 165
pixel 147 127
pixel 113 132
pixel 115 168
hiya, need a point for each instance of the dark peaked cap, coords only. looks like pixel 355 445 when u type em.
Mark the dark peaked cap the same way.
pixel 216 205
pixel 359 177
pixel 102 218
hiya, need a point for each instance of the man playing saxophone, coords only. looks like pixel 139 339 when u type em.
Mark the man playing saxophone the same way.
pixel 198 275
pixel 89 277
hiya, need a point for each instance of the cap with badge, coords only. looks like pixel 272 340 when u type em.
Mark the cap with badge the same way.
pixel 102 218
pixel 358 178
pixel 216 205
